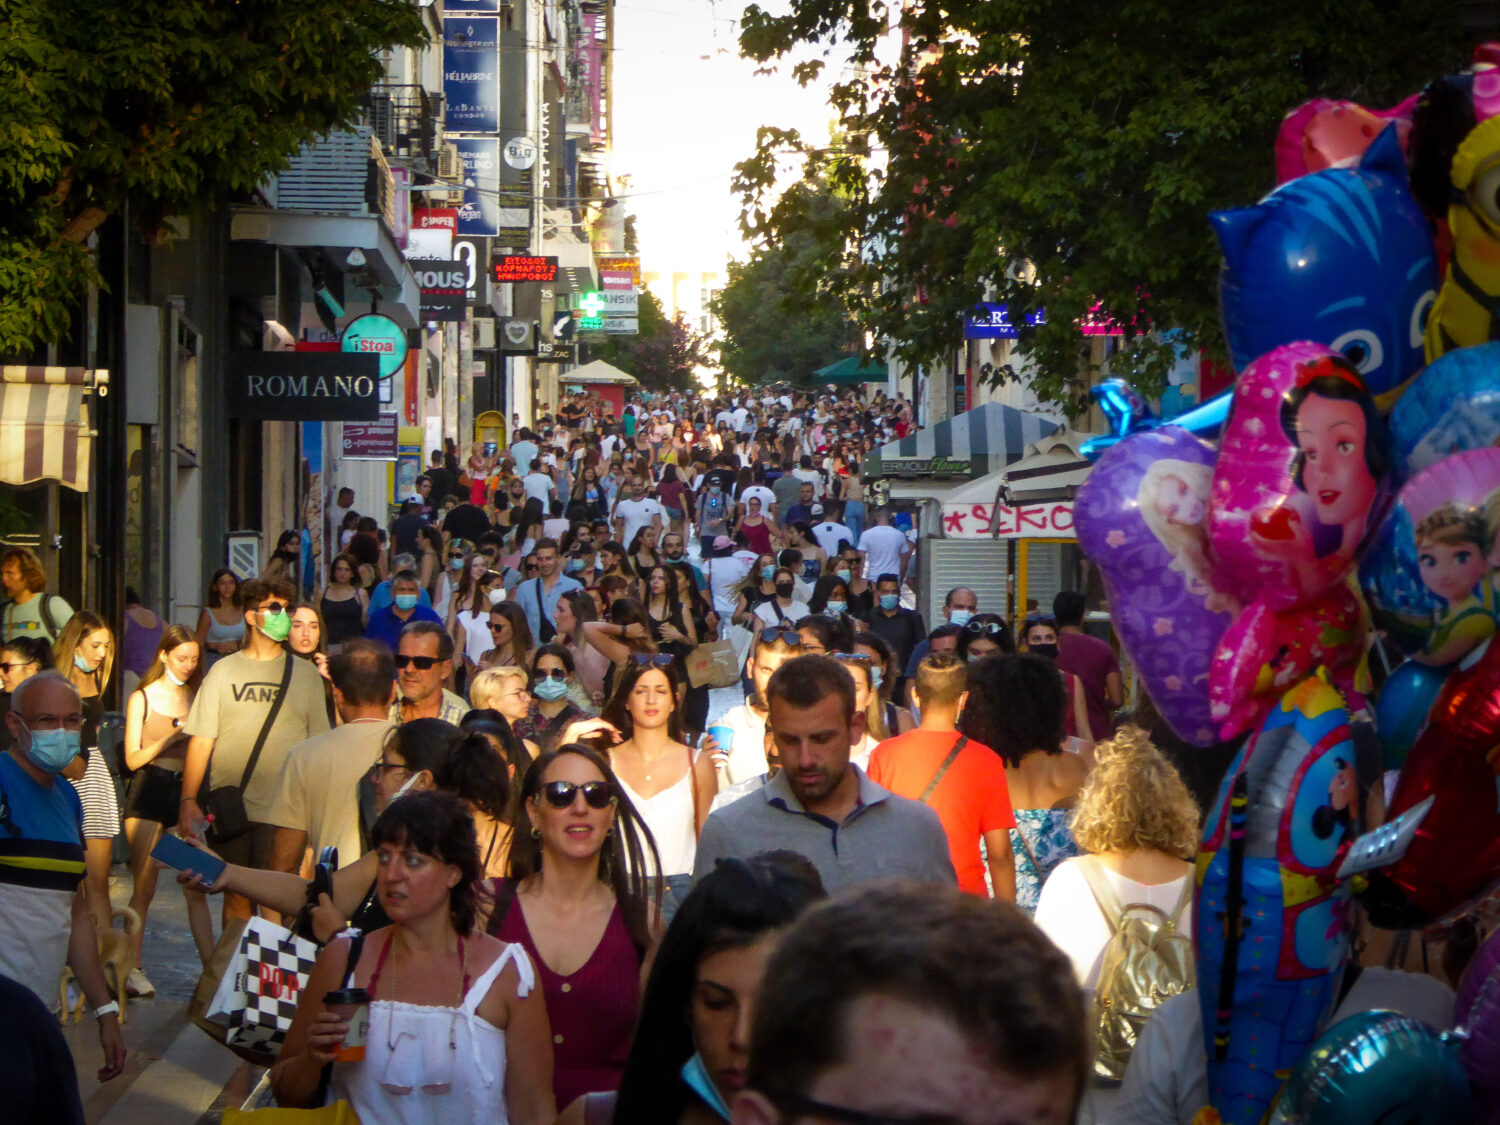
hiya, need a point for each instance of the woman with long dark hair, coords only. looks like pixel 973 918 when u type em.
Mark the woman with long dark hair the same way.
pixel 550 710
pixel 690 1051
pixel 590 492
pixel 643 552
pixel 671 627
pixel 217 634
pixel 575 609
pixel 580 901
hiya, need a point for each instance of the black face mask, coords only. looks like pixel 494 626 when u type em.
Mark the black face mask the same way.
pixel 784 589
pixel 1049 651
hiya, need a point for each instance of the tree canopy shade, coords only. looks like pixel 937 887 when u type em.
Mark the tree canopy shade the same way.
pixel 1062 154
pixel 167 104
pixel 778 318
pixel 663 354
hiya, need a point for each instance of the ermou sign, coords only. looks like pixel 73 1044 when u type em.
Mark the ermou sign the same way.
pixel 304 386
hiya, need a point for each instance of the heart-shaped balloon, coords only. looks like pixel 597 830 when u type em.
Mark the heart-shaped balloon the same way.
pixel 1140 518
pixel 1300 474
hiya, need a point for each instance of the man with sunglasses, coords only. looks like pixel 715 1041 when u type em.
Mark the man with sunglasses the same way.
pixel 821 805
pixel 903 1005
pixel 424 662
pixel 229 715
pixel 406 606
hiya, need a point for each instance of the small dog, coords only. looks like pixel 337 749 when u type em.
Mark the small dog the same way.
pixel 114 958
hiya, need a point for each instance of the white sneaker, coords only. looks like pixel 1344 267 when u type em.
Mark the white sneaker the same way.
pixel 136 984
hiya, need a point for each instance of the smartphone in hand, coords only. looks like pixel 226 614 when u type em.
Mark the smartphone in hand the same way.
pixel 178 854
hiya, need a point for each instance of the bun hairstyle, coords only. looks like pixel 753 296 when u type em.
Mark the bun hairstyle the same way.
pixel 461 762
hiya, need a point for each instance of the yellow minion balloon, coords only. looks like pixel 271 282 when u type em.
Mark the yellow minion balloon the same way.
pixel 1467 311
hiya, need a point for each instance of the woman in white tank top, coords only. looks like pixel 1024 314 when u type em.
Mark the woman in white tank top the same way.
pixel 455 1031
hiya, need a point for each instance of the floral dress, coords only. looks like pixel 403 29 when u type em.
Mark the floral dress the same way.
pixel 1041 839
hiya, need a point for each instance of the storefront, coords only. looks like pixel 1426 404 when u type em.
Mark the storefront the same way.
pixel 602 379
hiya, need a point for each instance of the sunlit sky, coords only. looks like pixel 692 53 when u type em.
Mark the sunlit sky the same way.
pixel 683 120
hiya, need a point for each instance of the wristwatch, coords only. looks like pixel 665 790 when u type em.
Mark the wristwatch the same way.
pixel 112 1008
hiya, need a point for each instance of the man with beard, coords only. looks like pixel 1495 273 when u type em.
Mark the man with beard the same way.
pixel 821 805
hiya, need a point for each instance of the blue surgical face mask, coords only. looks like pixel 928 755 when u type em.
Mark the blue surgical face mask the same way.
pixel 574 566
pixel 836 608
pixel 960 616
pixel 550 689
pixel 81 664
pixel 695 1074
pixel 715 489
pixel 768 572
pixel 53 750
pixel 456 563
pixel 845 575
pixel 890 601
pixel 406 601
pixel 877 677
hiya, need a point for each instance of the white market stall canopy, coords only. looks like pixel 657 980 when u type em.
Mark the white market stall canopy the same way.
pixel 600 372
pixel 985 439
pixel 1032 499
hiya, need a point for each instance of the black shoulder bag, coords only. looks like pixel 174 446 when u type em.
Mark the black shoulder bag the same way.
pixel 963 740
pixel 226 804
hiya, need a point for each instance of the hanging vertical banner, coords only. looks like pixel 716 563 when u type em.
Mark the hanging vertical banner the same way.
pixel 471 73
pixel 480 157
pixel 518 168
pixel 591 67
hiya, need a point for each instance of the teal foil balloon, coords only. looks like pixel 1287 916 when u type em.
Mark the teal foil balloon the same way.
pixel 1377 1068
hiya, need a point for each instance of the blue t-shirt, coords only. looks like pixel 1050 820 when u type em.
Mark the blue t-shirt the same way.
pixel 35 812
pixel 386 627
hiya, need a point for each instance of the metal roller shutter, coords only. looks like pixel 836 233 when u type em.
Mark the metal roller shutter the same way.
pixel 980 564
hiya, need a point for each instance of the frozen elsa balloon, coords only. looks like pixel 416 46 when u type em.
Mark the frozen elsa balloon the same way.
pixel 1173 500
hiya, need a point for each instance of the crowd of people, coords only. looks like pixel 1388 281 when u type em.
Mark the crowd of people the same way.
pixel 568 893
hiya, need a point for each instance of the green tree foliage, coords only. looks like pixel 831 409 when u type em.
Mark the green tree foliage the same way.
pixel 166 104
pixel 1065 153
pixel 662 355
pixel 772 332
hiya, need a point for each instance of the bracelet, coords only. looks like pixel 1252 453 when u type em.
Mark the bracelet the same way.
pixel 112 1008
pixel 187 801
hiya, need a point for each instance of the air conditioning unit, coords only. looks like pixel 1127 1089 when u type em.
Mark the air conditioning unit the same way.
pixel 449 166
pixel 484 333
pixel 455 199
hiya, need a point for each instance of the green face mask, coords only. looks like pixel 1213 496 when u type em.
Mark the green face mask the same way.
pixel 278 626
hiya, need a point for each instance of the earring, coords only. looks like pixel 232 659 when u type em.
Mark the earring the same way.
pixel 536 833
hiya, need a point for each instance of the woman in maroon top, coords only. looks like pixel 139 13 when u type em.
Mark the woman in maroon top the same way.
pixel 670 491
pixel 760 534
pixel 577 900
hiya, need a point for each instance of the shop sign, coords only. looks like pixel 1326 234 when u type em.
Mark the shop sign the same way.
pixel 990 321
pixel 517 336
pixel 480 159
pixel 471 74
pixel 525 267
pixel 925 466
pixel 304 386
pixel 615 264
pixel 444 287
pixel 370 441
pixel 620 304
pixel 1052 520
pixel 379 336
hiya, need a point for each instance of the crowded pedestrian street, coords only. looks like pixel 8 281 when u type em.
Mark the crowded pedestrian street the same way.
pixel 699 562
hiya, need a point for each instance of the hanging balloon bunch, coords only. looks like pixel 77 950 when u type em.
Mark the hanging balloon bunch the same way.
pixel 1352 494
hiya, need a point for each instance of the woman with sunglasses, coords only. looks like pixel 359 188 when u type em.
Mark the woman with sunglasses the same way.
pixel 669 783
pixel 898 720
pixel 456 1028
pixel 579 900
pixel 985 634
pixel 511 642
pixel 550 710
pixel 692 1044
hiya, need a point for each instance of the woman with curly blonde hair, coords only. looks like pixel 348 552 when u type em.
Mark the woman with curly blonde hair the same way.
pixel 1139 827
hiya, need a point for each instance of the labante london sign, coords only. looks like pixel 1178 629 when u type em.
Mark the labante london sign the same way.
pixel 304 386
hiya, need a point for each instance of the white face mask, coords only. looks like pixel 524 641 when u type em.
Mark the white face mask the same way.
pixel 173 677
pixel 410 781
pixel 497 595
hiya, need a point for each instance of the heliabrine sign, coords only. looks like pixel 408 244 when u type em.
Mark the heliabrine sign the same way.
pixel 525 267
pixel 379 336
pixel 304 386
pixel 1052 520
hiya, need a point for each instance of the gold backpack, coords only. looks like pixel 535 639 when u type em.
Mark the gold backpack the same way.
pixel 1147 961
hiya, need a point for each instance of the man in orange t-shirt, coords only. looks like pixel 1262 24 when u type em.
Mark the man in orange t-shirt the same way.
pixel 967 790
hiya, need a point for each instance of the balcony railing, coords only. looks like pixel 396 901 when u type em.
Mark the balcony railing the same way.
pixel 408 121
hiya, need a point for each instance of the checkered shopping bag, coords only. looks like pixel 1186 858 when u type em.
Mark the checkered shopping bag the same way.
pixel 249 992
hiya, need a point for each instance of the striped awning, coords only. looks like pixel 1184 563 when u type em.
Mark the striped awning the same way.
pixel 44 424
pixel 985 439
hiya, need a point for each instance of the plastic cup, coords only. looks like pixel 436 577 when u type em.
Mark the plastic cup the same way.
pixel 724 736
pixel 353 1006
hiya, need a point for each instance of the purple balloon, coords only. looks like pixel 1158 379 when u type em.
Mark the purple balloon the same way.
pixel 1480 1050
pixel 1140 517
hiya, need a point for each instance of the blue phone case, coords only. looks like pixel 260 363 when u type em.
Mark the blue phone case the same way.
pixel 182 856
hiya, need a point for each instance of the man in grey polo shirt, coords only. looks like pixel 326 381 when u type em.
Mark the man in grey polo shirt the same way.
pixel 821 805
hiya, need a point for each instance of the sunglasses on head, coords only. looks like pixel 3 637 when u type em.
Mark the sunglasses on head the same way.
pixel 655 659
pixel 857 657
pixel 423 663
pixel 785 636
pixel 596 794
pixel 990 628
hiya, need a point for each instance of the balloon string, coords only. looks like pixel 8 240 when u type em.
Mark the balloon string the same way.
pixel 1234 914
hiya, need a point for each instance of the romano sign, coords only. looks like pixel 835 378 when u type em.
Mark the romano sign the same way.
pixel 304 386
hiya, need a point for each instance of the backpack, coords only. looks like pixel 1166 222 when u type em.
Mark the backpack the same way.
pixel 1147 961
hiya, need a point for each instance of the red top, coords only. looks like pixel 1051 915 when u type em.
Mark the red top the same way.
pixel 1091 660
pixel 592 1012
pixel 670 493
pixel 757 536
pixel 971 799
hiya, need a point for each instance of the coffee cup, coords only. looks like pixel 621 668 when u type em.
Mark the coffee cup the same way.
pixel 351 1005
